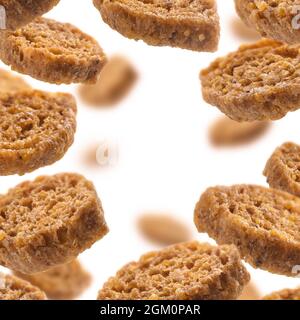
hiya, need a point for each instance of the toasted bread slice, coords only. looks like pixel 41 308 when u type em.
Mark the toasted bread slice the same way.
pixel 283 168
pixel 48 222
pixel 186 271
pixel 260 81
pixel 53 52
pixel 263 223
pixel 36 129
pixel 19 12
pixel 192 25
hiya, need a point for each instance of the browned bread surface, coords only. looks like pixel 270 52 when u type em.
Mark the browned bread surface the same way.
pixel 21 12
pixel 271 18
pixel 263 223
pixel 259 81
pixel 286 294
pixel 13 288
pixel 36 129
pixel 185 24
pixel 186 271
pixel 283 168
pixel 48 222
pixel 53 52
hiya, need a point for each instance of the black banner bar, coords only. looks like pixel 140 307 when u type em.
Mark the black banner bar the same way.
pixel 94 310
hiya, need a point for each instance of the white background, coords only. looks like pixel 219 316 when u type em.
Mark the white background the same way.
pixel 165 161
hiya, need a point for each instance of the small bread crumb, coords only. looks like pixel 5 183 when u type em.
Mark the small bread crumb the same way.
pixel 64 282
pixel 115 81
pixel 227 132
pixel 163 228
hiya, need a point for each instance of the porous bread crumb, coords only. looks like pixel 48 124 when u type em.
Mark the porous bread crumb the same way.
pixel 286 294
pixel 192 25
pixel 259 81
pixel 53 52
pixel 275 19
pixel 13 288
pixel 48 222
pixel 36 129
pixel 186 271
pixel 263 223
pixel 283 168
